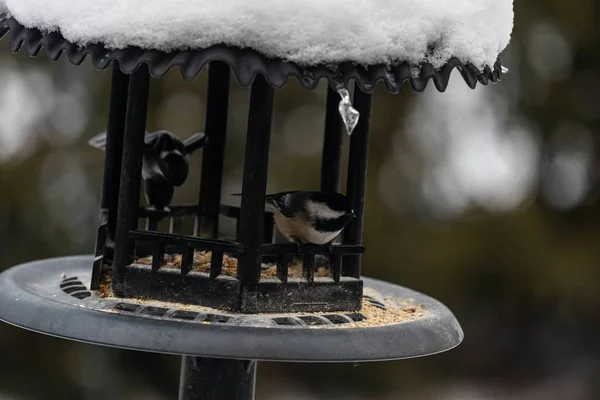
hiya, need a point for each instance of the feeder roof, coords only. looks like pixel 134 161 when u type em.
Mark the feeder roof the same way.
pixel 306 32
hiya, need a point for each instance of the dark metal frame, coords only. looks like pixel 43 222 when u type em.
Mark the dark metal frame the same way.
pixel 121 212
pixel 119 221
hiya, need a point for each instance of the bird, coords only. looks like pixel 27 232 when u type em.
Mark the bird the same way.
pixel 164 163
pixel 310 216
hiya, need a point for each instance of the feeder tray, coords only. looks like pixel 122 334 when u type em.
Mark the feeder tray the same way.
pixel 51 297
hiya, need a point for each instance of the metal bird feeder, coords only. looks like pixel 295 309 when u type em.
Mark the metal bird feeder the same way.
pixel 222 324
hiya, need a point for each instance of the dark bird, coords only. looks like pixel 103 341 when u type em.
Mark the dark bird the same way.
pixel 310 217
pixel 164 163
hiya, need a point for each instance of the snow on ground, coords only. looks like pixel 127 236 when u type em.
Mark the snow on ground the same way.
pixel 307 32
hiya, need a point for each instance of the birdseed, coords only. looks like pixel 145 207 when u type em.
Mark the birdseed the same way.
pixel 202 259
pixel 396 310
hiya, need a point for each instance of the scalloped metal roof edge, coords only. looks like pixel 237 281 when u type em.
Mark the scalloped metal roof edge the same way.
pixel 245 63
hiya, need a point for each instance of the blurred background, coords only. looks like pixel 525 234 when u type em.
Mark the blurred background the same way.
pixel 489 199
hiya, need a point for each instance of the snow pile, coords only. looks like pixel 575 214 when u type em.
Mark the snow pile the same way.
pixel 307 32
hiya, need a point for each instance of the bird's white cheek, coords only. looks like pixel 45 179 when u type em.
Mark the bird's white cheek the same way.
pixel 322 211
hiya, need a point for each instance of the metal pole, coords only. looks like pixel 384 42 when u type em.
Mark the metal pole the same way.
pixel 131 174
pixel 357 179
pixel 332 145
pixel 209 197
pixel 216 379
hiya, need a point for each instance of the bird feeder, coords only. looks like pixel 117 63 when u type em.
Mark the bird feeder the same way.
pixel 130 295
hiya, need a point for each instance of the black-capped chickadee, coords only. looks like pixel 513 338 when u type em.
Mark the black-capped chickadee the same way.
pixel 310 217
pixel 164 163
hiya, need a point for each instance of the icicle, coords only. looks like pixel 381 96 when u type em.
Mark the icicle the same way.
pixel 348 113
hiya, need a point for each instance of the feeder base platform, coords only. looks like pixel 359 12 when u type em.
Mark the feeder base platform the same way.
pixel 53 297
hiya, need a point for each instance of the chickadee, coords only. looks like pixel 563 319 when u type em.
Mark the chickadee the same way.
pixel 310 217
pixel 164 163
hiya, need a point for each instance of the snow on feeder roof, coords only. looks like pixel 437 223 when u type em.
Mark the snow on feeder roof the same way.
pixel 305 32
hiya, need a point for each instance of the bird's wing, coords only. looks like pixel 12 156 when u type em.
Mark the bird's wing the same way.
pixel 150 138
pixel 276 199
pixel 98 141
pixel 282 194
pixel 195 142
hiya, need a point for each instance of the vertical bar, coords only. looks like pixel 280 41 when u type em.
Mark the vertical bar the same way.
pixel 357 175
pixel 175 224
pixel 101 251
pixel 216 263
pixel 332 145
pixel 152 223
pixel 269 226
pixel 115 133
pixel 131 174
pixel 212 378
pixel 109 198
pixel 158 256
pixel 187 260
pixel 254 186
pixel 308 266
pixel 282 267
pixel 209 196
pixel 335 266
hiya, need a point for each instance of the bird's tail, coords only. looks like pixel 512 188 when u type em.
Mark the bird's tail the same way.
pixel 268 198
pixel 98 141
pixel 195 142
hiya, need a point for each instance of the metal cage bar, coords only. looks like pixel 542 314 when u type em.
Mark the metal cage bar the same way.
pixel 158 256
pixel 254 186
pixel 187 259
pixel 269 227
pixel 357 177
pixel 332 144
pixel 216 264
pixel 282 267
pixel 190 241
pixel 175 223
pixel 335 266
pixel 292 248
pixel 209 197
pixel 308 266
pixel 131 174
pixel 109 198
pixel 152 223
